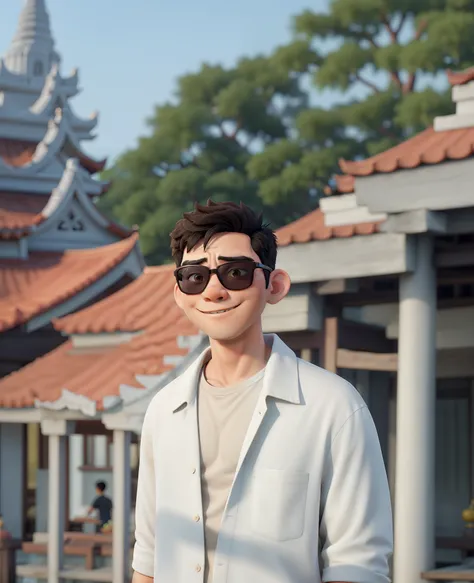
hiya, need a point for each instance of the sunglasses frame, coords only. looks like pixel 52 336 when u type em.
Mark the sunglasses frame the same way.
pixel 255 265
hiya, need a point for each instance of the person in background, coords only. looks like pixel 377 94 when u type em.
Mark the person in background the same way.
pixel 102 504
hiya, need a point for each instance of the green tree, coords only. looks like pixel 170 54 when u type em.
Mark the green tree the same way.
pixel 199 147
pixel 383 58
pixel 248 133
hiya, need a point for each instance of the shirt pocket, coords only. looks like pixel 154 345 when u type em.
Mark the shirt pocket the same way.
pixel 278 503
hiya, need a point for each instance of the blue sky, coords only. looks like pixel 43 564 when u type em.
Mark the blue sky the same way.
pixel 129 52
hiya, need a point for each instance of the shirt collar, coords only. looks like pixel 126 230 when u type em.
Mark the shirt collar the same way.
pixel 281 379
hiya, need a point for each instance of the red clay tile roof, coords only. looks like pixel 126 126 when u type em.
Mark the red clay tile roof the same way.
pixel 29 287
pixel 428 147
pixel 460 77
pixel 18 153
pixel 311 227
pixel 145 306
pixel 128 310
pixel 20 211
pixel 344 184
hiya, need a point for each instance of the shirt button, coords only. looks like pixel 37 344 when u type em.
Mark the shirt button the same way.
pixel 198 568
pixel 197 518
pixel 194 470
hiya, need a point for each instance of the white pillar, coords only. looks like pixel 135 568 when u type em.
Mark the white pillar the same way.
pixel 76 483
pixel 121 506
pixel 56 430
pixel 416 399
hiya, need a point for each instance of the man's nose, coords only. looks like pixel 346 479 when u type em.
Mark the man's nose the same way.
pixel 215 291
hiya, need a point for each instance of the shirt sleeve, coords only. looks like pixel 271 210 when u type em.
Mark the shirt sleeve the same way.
pixel 95 503
pixel 356 516
pixel 145 507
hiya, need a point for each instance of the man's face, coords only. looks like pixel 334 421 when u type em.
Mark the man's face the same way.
pixel 243 307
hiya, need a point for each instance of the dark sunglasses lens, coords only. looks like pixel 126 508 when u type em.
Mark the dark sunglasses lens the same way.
pixel 193 279
pixel 236 275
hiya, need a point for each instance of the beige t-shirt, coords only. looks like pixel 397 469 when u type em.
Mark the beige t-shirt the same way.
pixel 224 416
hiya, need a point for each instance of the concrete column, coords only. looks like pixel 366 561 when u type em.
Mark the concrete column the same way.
pixel 76 482
pixel 121 508
pixel 416 399
pixel 56 430
pixel 12 476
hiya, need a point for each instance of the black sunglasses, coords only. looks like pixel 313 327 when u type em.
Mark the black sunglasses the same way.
pixel 234 276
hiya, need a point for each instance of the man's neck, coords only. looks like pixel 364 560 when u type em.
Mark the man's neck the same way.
pixel 236 360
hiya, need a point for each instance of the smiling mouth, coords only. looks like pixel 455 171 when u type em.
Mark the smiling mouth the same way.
pixel 220 311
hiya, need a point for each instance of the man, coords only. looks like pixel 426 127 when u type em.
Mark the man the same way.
pixel 255 466
pixel 102 504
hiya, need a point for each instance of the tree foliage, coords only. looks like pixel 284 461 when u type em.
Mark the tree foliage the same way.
pixel 249 133
pixel 199 148
pixel 383 58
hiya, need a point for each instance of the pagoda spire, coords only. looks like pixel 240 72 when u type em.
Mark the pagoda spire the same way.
pixel 32 52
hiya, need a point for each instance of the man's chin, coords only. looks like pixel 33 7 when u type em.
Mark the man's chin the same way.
pixel 223 335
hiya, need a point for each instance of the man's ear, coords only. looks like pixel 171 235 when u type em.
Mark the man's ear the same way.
pixel 279 286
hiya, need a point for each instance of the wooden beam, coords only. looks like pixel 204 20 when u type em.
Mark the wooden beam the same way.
pixel 358 360
pixel 456 363
pixel 331 329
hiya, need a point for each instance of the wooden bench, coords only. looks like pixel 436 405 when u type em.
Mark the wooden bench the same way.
pixel 98 538
pixel 106 551
pixel 77 549
pixel 453 573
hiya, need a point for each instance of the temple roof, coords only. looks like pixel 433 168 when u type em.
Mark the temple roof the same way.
pixel 151 334
pixel 23 214
pixel 59 139
pixel 312 227
pixel 54 277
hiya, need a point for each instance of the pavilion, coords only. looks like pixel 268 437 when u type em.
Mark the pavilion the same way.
pixel 383 293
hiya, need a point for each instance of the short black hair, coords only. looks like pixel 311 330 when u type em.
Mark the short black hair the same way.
pixel 206 221
pixel 102 486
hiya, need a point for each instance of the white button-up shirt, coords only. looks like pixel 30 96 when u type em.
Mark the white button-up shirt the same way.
pixel 309 501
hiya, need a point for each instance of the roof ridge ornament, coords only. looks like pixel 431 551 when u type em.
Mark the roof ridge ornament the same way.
pixel 32 52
